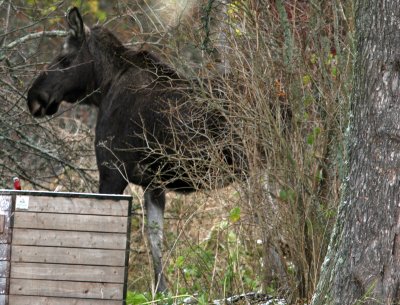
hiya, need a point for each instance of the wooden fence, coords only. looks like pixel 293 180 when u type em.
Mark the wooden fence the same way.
pixel 63 248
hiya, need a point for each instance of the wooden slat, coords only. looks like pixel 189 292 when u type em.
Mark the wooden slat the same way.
pixel 70 222
pixel 82 290
pixel 5 215
pixel 69 239
pixel 4 300
pixel 67 272
pixel 33 300
pixel 5 202
pixel 4 268
pixel 2 223
pixel 4 284
pixel 5 240
pixel 70 205
pixel 98 257
pixel 4 252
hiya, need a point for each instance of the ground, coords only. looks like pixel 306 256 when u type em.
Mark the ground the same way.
pixel 210 245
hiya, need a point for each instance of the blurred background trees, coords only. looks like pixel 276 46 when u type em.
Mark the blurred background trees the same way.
pixel 285 68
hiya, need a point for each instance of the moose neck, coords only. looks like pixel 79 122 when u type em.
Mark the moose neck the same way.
pixel 130 70
pixel 106 51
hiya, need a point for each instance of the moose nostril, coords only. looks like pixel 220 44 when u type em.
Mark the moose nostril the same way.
pixel 37 102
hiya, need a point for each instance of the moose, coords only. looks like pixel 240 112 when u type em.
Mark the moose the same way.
pixel 145 120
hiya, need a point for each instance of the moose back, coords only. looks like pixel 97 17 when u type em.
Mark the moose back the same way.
pixel 147 132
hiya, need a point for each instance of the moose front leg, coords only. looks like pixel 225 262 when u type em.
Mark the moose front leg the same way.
pixel 155 204
pixel 111 181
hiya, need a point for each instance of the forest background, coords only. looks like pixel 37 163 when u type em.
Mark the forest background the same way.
pixel 286 68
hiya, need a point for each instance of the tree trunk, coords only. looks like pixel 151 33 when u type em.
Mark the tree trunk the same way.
pixel 363 261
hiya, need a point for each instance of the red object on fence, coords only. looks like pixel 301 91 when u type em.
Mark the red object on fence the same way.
pixel 17 183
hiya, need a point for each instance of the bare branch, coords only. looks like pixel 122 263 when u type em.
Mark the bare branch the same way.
pixel 53 33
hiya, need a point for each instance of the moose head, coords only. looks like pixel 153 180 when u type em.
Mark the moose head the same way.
pixel 68 76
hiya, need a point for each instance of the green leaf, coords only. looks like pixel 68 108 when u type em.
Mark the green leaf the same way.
pixel 203 299
pixel 134 298
pixel 310 139
pixel 313 135
pixel 180 260
pixel 314 59
pixel 287 195
pixel 306 79
pixel 283 195
pixel 234 214
pixel 101 15
pixel 334 71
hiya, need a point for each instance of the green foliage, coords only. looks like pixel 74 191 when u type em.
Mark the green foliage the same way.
pixel 234 215
pixel 312 137
pixel 134 298
pixel 287 195
pixel 91 7
pixel 203 299
pixel 192 266
pixel 138 298
pixel 51 12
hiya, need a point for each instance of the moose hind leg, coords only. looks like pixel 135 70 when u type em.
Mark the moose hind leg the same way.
pixel 155 204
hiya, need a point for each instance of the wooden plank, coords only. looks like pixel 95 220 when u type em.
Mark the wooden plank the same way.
pixel 5 216
pixel 81 273
pixel 2 223
pixel 4 268
pixel 70 205
pixel 4 285
pixel 5 235
pixel 4 252
pixel 5 202
pixel 52 255
pixel 4 300
pixel 65 194
pixel 33 300
pixel 69 239
pixel 72 222
pixel 84 290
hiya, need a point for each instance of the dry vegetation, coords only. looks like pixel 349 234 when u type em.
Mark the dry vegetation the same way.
pixel 286 88
pixel 284 67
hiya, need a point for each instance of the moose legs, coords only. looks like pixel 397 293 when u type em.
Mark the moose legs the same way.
pixel 155 203
pixel 111 181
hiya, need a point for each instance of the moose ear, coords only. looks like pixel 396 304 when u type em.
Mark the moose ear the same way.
pixel 75 22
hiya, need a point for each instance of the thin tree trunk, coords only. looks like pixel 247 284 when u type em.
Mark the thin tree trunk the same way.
pixel 363 261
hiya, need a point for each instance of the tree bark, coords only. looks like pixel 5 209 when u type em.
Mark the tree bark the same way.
pixel 363 261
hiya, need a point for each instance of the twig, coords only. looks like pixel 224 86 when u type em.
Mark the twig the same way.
pixel 6 22
pixel 54 33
